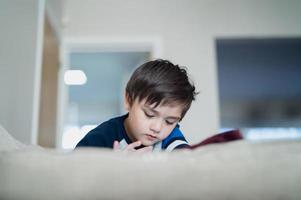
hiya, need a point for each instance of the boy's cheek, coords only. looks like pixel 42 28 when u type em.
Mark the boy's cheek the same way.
pixel 165 134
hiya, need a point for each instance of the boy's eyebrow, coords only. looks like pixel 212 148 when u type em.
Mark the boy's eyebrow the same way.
pixel 156 112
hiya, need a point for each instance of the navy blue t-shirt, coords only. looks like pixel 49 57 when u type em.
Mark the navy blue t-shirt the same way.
pixel 106 133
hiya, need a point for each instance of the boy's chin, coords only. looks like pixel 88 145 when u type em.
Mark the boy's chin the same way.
pixel 147 142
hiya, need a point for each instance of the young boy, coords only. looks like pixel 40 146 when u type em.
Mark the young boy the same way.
pixel 157 97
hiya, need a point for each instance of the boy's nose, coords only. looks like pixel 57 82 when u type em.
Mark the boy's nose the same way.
pixel 156 126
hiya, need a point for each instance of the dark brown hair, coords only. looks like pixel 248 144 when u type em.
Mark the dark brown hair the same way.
pixel 161 82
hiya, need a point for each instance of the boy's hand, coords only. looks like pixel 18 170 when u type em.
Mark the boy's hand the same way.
pixel 131 147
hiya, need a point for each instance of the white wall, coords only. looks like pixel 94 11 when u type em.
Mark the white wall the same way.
pixel 188 29
pixel 20 64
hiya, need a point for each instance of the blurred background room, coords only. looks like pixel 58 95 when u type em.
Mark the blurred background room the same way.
pixel 64 64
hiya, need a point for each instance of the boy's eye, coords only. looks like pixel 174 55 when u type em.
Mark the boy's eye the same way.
pixel 169 123
pixel 148 115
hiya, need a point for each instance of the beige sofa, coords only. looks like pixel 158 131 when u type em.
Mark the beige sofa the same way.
pixel 236 170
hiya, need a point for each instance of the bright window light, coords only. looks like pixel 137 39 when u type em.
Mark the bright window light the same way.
pixel 73 134
pixel 269 133
pixel 256 134
pixel 70 137
pixel 75 77
pixel 86 128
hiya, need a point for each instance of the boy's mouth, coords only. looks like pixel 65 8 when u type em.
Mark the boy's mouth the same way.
pixel 151 137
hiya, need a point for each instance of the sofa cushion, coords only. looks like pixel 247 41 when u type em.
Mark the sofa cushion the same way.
pixel 236 170
pixel 7 142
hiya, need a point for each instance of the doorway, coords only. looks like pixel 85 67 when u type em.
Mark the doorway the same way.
pixel 106 68
pixel 101 97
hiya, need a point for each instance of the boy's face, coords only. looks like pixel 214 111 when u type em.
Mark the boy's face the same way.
pixel 150 124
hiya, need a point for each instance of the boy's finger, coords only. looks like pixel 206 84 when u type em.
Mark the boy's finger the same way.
pixel 116 145
pixel 145 149
pixel 133 145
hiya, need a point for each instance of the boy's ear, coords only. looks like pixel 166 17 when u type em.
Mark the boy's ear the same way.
pixel 127 105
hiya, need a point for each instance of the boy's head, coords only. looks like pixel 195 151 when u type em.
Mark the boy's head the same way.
pixel 160 82
pixel 158 95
